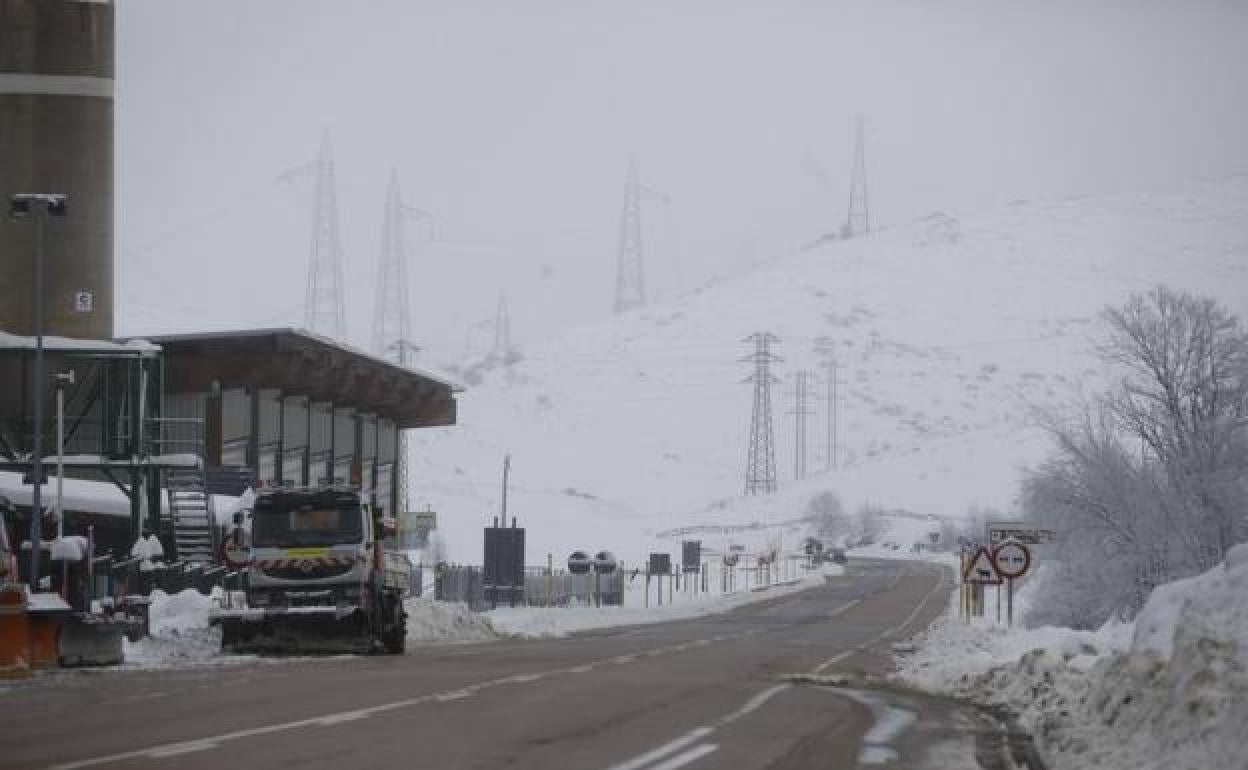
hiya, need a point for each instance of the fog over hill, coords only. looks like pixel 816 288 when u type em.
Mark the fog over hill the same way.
pixel 947 333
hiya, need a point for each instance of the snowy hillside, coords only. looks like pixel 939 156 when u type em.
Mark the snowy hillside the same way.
pixel 945 331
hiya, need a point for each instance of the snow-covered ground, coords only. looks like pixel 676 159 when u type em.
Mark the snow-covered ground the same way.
pixel 946 333
pixel 1167 692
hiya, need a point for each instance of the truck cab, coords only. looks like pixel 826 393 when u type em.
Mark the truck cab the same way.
pixel 309 547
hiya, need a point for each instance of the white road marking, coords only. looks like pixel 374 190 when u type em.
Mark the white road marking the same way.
pixel 754 704
pixel 832 661
pixel 845 607
pixel 214 742
pixel 680 760
pixel 693 736
pixel 697 734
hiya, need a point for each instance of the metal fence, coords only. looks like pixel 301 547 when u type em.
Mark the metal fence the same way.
pixel 466 584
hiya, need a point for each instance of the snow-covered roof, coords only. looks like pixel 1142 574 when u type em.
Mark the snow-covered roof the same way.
pixel 72 345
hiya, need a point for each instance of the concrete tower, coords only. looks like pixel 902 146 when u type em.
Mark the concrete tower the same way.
pixel 56 135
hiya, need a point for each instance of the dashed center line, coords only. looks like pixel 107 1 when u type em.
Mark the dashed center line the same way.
pixel 214 742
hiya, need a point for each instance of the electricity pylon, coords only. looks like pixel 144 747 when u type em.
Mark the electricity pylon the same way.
pixel 630 286
pixel 858 222
pixel 392 324
pixel 392 314
pixel 760 467
pixel 801 410
pixel 323 305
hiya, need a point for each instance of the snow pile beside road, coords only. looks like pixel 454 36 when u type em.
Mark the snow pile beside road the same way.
pixel 430 621
pixel 179 631
pixel 1169 691
pixel 561 621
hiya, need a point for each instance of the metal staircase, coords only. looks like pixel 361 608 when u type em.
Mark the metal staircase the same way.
pixel 190 513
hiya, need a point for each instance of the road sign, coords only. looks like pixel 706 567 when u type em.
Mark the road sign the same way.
pixel 660 564
pixel 981 570
pixel 691 555
pixel 1012 559
pixel 1022 531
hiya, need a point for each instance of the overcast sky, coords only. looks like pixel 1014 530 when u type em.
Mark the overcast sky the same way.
pixel 512 122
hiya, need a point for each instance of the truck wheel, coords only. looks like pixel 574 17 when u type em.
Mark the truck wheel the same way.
pixel 395 640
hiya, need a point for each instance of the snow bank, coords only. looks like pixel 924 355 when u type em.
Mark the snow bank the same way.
pixel 431 621
pixel 1169 691
pixel 179 632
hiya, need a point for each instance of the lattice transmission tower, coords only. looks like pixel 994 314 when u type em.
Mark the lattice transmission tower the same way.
pixel 858 222
pixel 323 306
pixel 801 410
pixel 630 284
pixel 392 322
pixel 760 466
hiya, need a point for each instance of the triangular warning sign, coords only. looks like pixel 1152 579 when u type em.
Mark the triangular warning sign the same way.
pixel 981 569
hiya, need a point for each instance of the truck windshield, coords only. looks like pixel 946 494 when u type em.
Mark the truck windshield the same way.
pixel 307 525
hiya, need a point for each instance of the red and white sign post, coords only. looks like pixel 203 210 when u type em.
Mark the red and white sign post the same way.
pixel 1011 559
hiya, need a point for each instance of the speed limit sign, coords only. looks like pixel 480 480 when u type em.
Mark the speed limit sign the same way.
pixel 1012 559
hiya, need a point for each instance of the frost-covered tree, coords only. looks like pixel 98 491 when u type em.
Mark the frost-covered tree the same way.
pixel 1184 394
pixel 1149 481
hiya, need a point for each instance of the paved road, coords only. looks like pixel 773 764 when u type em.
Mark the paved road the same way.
pixel 710 692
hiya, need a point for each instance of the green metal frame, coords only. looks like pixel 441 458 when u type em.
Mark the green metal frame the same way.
pixel 129 396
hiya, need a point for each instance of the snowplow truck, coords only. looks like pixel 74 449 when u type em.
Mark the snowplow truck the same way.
pixel 319 579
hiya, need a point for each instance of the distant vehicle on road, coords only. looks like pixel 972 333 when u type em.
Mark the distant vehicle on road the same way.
pixel 838 556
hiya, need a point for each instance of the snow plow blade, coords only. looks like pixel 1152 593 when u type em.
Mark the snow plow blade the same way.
pixel 300 631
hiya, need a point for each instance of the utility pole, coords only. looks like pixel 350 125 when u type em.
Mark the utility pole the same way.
pixel 801 410
pixel 630 287
pixel 506 475
pixel 833 407
pixel 760 470
pixel 858 222
pixel 323 306
pixel 40 206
